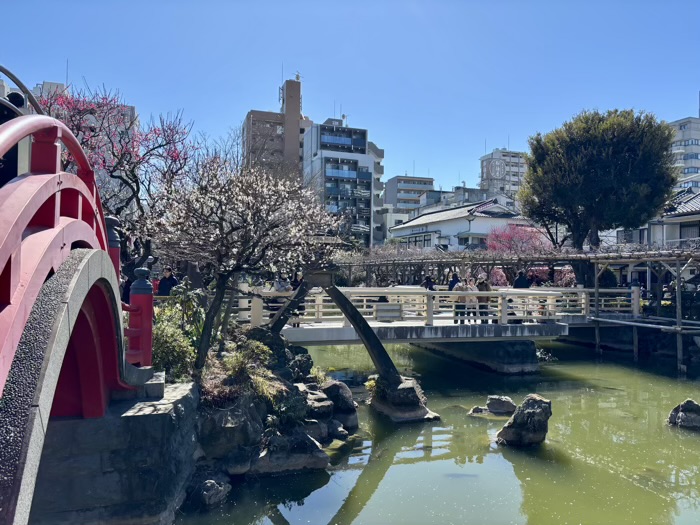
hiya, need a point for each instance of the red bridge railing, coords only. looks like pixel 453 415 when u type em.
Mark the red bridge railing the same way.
pixel 43 215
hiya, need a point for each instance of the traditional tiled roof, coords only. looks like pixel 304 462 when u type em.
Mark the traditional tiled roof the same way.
pixel 488 208
pixel 684 202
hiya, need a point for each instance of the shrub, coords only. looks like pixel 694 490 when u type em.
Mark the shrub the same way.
pixel 173 352
pixel 243 369
pixel 318 374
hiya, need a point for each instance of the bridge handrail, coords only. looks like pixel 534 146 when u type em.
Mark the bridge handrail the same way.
pixel 19 128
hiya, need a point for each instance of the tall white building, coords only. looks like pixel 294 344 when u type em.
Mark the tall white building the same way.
pixel 346 168
pixel 686 151
pixel 502 172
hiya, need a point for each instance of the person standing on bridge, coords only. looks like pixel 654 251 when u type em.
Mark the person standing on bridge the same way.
pixel 453 282
pixel 483 286
pixel 521 281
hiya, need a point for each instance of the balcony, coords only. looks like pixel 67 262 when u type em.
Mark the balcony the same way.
pixel 363 194
pixel 374 150
pixel 339 192
pixel 364 175
pixel 341 174
pixel 335 140
pixel 359 228
pixel 678 149
pixel 414 186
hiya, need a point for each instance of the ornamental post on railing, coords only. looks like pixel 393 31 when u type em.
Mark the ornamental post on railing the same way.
pixel 114 243
pixel 429 309
pixel 636 300
pixel 318 308
pixel 584 300
pixel 141 321
pixel 551 306
pixel 256 311
pixel 503 308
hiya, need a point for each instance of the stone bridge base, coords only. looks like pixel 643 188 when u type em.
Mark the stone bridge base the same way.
pixel 505 357
pixel 130 467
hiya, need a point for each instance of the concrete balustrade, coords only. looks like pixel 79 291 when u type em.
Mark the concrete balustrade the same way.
pixel 428 308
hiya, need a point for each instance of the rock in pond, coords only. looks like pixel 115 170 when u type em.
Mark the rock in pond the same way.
pixel 212 492
pixel 403 403
pixel 500 405
pixel 297 451
pixel 340 394
pixel 529 424
pixel 686 415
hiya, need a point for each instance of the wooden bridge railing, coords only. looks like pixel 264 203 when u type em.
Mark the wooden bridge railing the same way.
pixel 429 307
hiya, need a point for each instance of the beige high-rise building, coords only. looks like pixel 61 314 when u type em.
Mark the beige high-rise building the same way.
pixel 273 139
pixel 502 171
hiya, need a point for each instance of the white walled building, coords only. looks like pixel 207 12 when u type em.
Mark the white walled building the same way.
pixel 458 228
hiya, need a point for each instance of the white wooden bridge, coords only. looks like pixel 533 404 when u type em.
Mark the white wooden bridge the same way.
pixel 405 314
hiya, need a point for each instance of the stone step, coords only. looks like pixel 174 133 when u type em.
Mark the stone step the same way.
pixel 154 388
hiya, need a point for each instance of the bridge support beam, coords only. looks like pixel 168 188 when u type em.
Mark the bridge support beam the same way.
pixel 399 398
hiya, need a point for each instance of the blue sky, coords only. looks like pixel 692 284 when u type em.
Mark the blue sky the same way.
pixel 434 82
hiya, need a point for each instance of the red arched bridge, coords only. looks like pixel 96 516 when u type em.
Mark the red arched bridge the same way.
pixel 61 333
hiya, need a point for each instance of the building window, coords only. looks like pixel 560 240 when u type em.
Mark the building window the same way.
pixel 683 127
pixel 397 222
pixel 687 171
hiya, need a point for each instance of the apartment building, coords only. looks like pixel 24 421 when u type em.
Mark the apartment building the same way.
pixel 275 139
pixel 346 168
pixel 502 171
pixel 404 192
pixel 686 151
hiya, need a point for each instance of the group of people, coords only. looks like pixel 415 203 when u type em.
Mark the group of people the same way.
pixel 469 305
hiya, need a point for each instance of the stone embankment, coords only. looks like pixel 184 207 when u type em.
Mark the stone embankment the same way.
pixel 246 437
pixel 137 465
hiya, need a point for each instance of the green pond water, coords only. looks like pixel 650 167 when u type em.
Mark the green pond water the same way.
pixel 609 457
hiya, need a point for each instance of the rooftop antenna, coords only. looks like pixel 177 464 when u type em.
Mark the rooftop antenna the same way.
pixel 297 76
pixel 484 146
pixel 508 142
pixel 282 72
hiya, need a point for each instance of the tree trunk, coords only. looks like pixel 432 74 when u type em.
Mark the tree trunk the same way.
pixel 227 313
pixel 585 273
pixel 209 318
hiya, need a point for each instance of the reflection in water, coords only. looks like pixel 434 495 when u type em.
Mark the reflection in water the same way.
pixel 609 457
